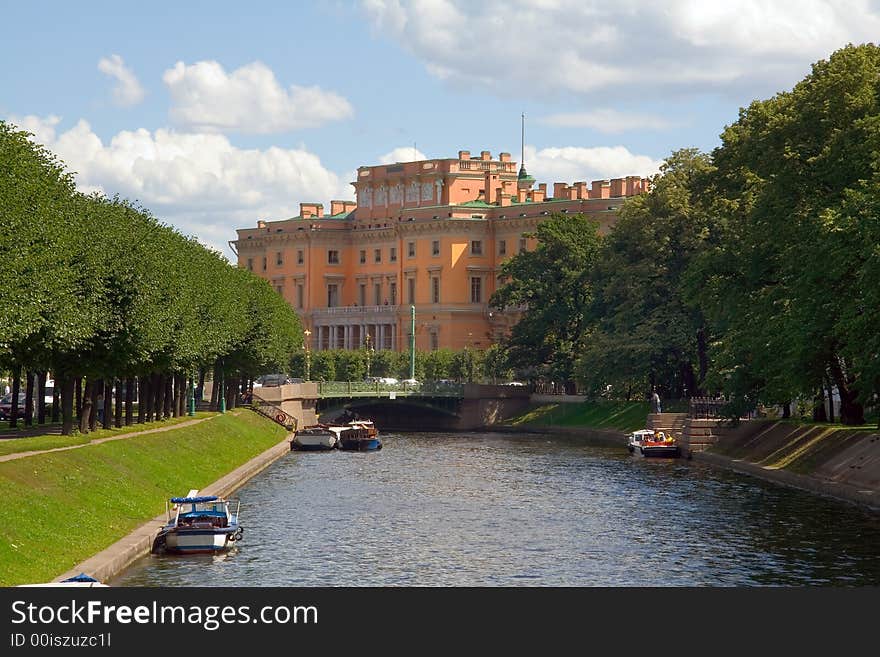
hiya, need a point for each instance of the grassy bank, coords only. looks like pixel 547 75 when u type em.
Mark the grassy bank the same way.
pixel 51 441
pixel 61 508
pixel 613 415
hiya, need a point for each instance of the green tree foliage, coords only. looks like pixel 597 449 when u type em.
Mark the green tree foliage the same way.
pixel 98 288
pixel 790 284
pixel 643 330
pixel 553 287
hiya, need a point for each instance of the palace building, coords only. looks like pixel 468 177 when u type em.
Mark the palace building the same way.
pixel 430 234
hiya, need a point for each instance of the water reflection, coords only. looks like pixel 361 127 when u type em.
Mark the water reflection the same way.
pixel 490 509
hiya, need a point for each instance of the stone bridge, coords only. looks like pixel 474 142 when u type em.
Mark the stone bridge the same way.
pixel 426 407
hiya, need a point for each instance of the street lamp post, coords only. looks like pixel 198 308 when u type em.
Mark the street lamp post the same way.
pixel 306 346
pixel 191 396
pixel 369 350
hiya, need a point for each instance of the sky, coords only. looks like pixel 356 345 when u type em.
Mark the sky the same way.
pixel 216 114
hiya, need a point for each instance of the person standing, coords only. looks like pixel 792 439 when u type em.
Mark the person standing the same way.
pixel 655 399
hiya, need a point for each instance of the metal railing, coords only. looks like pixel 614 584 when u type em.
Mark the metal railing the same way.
pixel 274 413
pixel 379 389
pixel 707 408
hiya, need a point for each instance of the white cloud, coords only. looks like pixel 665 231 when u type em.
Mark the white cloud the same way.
pixel 199 183
pixel 573 163
pixel 43 128
pixel 622 48
pixel 607 121
pixel 128 91
pixel 402 154
pixel 247 100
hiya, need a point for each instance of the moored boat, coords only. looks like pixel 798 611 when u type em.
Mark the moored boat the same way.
pixel 358 436
pixel 199 523
pixel 648 442
pixel 318 437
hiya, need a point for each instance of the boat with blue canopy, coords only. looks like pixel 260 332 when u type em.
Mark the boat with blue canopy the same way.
pixel 199 523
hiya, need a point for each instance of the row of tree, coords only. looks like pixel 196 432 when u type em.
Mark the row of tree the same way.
pixel 463 366
pixel 753 270
pixel 98 292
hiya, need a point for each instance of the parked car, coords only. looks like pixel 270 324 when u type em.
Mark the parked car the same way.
pixel 411 383
pixel 388 381
pixel 270 380
pixel 6 406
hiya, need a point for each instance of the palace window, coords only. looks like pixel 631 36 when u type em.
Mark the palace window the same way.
pixel 362 294
pixel 476 247
pixel 435 341
pixel 299 296
pixel 377 255
pixel 363 256
pixel 392 292
pixel 410 249
pixel 411 290
pixel 476 289
pixel 279 258
pixel 392 254
pixel 522 244
pixel 435 247
pixel 502 247
pixel 300 257
pixel 250 264
pixel 377 294
pixel 264 263
pixel 435 290
pixel 332 295
pixel 332 257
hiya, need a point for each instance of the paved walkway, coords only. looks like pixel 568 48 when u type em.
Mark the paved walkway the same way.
pixel 98 441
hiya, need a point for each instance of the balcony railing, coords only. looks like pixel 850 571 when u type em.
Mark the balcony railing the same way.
pixel 355 310
pixel 483 165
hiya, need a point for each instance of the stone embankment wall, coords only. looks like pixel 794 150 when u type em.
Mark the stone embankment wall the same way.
pixel 841 463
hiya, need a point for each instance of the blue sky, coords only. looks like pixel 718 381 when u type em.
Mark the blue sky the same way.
pixel 216 114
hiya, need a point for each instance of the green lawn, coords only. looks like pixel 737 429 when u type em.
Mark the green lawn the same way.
pixel 616 415
pixel 63 507
pixel 50 441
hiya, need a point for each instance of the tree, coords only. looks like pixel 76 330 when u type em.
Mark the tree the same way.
pixel 553 286
pixel 790 278
pixel 643 329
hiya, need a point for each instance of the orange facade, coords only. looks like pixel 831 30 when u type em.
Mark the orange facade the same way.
pixel 430 234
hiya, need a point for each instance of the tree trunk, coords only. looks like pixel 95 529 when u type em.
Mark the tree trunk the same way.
pixel 97 407
pixel 851 411
pixel 819 414
pixel 786 410
pixel 181 394
pixel 830 387
pixel 66 383
pixel 29 398
pixel 85 412
pixel 703 361
pixel 77 383
pixel 16 390
pixel 56 401
pixel 200 390
pixel 142 399
pixel 108 403
pixel 129 400
pixel 158 391
pixel 41 397
pixel 215 397
pixel 169 395
pixel 117 403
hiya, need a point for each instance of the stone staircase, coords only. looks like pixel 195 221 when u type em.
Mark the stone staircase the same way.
pixel 701 433
pixel 668 422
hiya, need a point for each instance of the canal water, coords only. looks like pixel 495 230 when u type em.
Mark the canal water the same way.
pixel 435 509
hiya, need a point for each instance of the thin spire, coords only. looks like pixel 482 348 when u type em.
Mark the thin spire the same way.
pixel 522 161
